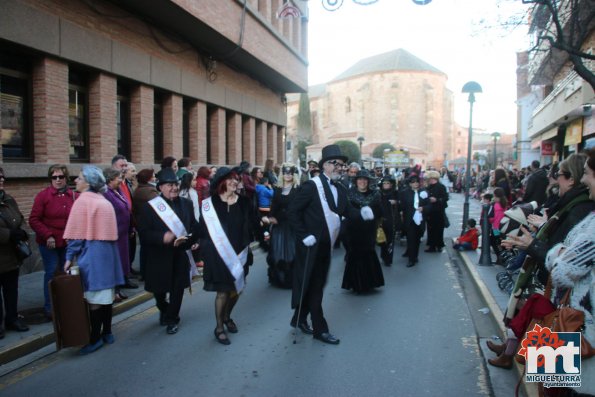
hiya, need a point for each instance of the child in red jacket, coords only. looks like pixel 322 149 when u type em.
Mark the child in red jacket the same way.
pixel 469 240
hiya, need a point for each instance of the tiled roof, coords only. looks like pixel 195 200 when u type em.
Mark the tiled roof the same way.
pixel 389 61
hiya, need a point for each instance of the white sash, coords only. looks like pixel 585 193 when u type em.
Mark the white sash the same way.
pixel 174 224
pixel 333 221
pixel 234 262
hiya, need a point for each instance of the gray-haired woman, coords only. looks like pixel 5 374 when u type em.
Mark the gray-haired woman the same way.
pixel 92 235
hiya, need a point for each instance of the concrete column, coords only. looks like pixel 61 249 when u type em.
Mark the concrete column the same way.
pixel 141 125
pixel 173 110
pixel 197 113
pixel 50 112
pixel 217 138
pixel 261 142
pixel 249 139
pixel 103 140
pixel 272 142
pixel 234 138
pixel 304 39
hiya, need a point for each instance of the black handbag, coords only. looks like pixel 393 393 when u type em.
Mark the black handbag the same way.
pixel 23 250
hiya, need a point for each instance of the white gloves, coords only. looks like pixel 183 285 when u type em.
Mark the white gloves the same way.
pixel 367 214
pixel 309 241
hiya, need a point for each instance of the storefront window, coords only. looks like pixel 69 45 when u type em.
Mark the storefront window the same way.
pixel 123 121
pixel 15 132
pixel 78 124
pixel 158 127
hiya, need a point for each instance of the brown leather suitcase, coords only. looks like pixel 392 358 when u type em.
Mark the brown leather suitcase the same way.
pixel 70 311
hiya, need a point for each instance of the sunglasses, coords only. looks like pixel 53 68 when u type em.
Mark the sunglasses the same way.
pixel 58 177
pixel 566 174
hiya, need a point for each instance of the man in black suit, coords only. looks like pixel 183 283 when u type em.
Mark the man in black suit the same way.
pixel 411 202
pixel 536 185
pixel 315 213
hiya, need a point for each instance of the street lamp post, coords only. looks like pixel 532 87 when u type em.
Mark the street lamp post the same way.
pixel 361 140
pixel 496 136
pixel 470 88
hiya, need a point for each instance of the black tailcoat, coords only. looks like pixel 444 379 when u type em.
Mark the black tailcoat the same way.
pixel 167 267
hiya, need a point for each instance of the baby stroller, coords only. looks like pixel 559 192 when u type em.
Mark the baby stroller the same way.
pixel 513 259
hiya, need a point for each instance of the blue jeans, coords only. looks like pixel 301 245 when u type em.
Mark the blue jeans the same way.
pixel 463 247
pixel 51 259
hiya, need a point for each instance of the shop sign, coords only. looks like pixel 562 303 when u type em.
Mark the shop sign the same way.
pixel 396 158
pixel 574 132
pixel 547 148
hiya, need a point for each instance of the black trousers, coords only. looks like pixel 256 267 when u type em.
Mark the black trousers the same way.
pixel 414 234
pixel 312 299
pixel 171 310
pixel 9 283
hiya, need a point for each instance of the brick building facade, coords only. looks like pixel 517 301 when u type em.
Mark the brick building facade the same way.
pixel 83 80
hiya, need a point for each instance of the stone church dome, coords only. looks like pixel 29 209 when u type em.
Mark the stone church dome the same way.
pixel 397 60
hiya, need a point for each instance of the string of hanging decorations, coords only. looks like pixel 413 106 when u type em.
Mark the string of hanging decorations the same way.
pixel 334 5
pixel 288 10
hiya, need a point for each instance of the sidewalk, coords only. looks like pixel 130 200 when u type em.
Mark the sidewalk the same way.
pixel 41 332
pixel 484 278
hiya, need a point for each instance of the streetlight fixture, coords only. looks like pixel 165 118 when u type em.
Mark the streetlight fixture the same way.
pixel 471 88
pixel 361 140
pixel 496 136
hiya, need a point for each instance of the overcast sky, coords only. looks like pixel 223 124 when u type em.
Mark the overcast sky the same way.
pixel 444 33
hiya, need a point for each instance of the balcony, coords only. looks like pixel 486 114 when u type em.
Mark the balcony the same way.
pixel 562 105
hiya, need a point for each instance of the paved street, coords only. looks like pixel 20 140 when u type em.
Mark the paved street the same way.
pixel 413 337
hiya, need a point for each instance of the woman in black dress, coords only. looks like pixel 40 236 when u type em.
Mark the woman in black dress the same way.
pixel 282 247
pixel 388 202
pixel 362 267
pixel 236 220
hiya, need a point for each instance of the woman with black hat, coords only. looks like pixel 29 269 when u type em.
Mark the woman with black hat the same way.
pixel 226 230
pixel 282 247
pixel 168 233
pixel 411 204
pixel 435 211
pixel 388 203
pixel 362 267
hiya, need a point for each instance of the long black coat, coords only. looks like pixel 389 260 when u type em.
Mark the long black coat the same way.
pixel 307 218
pixel 434 212
pixel 165 264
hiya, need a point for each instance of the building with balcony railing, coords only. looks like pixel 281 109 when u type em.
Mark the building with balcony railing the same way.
pixel 562 121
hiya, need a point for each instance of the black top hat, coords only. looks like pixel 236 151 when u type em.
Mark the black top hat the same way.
pixel 166 175
pixel 389 178
pixel 363 174
pixel 331 152
pixel 222 174
pixel 413 178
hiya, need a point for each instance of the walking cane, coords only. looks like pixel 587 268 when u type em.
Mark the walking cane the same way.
pixel 301 297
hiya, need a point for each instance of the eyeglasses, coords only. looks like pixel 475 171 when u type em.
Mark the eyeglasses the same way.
pixel 337 163
pixel 57 177
pixel 566 174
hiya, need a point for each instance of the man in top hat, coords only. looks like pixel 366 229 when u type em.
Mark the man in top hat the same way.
pixel 168 231
pixel 411 204
pixel 315 213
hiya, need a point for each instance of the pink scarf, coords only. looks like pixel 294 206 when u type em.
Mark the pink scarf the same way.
pixel 92 218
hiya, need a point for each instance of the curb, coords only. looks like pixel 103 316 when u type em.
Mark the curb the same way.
pixel 34 343
pixel 497 315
